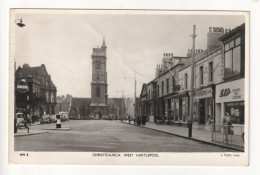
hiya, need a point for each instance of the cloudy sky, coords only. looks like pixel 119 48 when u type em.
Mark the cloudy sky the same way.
pixel 136 42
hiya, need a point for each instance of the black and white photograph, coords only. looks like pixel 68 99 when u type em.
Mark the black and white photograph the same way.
pixel 129 86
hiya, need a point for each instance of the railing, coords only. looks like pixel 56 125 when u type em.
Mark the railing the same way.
pixel 232 135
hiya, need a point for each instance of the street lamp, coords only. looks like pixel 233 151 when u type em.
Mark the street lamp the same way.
pixel 20 23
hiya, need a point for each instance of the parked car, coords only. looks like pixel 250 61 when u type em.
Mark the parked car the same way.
pixel 53 119
pixel 45 119
pixel 19 120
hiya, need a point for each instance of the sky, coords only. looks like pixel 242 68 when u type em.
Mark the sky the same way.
pixel 63 40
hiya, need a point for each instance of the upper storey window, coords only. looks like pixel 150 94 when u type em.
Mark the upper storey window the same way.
pixel 233 57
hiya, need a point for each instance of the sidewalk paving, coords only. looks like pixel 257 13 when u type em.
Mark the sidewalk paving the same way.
pixel 32 131
pixel 197 134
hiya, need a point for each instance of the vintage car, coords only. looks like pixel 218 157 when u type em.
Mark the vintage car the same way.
pixel 45 119
pixel 19 120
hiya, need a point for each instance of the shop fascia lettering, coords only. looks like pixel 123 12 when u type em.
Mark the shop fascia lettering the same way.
pixel 204 93
pixel 231 91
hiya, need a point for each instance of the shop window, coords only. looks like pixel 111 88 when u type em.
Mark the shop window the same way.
pixel 185 109
pixel 232 57
pixel 176 112
pixel 211 72
pixel 236 112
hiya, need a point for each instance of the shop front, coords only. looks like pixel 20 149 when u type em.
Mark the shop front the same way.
pixel 204 107
pixel 177 106
pixel 230 99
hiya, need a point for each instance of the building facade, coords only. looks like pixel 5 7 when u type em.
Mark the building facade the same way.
pixel 99 106
pixel 63 103
pixel 218 83
pixel 40 97
pixel 99 81
pixel 230 94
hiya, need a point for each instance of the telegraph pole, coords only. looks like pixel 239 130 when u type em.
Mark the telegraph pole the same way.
pixel 135 100
pixel 192 81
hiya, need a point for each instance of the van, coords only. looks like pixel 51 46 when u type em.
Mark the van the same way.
pixel 64 116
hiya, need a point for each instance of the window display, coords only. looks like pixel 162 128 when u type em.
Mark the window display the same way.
pixel 236 111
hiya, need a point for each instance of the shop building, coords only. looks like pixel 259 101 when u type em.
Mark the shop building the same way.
pixel 40 96
pixel 230 95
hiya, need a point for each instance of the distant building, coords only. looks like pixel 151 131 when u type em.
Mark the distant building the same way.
pixel 63 103
pixel 99 105
pixel 81 108
pixel 40 97
pixel 99 81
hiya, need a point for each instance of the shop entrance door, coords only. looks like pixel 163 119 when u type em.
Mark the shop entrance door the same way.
pixel 202 111
pixel 180 109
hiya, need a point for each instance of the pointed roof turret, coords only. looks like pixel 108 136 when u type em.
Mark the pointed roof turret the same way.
pixel 104 43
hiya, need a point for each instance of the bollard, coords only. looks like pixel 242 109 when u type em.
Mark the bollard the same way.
pixel 58 124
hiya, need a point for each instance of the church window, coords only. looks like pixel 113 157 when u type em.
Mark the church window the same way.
pixel 98 66
pixel 98 91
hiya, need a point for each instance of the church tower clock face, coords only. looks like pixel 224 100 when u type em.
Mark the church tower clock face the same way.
pixel 99 80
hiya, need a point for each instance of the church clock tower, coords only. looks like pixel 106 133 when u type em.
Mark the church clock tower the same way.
pixel 98 106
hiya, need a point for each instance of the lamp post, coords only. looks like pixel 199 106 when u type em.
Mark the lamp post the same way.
pixel 20 24
pixel 192 81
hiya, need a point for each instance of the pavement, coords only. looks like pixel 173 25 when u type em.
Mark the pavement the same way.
pixel 108 136
pixel 34 130
pixel 200 135
pixel 24 132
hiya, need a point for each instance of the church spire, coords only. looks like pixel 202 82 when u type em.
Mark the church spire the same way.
pixel 104 43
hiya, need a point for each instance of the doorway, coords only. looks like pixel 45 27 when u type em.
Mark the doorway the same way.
pixel 180 109
pixel 202 111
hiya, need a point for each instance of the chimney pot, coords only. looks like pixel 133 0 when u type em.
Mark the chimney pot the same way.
pixel 210 29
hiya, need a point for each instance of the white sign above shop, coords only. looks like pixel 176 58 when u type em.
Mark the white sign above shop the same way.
pixel 231 91
pixel 203 93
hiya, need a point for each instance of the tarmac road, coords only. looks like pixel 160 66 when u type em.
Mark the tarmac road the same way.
pixel 108 136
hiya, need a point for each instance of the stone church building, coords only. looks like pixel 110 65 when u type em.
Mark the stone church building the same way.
pixel 99 105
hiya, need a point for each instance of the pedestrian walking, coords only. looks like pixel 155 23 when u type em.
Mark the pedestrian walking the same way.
pixel 144 120
pixel 225 126
pixel 26 120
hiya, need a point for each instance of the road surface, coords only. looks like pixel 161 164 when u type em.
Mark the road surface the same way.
pixel 108 136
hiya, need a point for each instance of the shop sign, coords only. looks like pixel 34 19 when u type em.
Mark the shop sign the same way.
pixel 22 87
pixel 204 93
pixel 231 91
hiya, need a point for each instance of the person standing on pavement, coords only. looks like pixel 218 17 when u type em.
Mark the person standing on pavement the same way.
pixel 225 122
